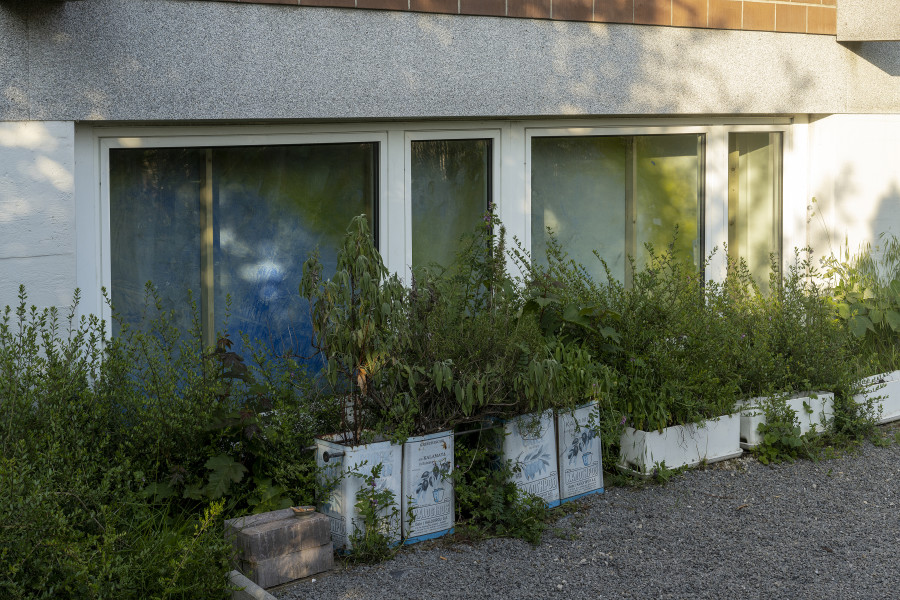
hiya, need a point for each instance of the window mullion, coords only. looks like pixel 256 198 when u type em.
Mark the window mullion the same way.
pixel 207 274
pixel 630 202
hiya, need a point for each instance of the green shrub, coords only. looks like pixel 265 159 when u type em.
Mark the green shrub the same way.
pixel 808 346
pixel 866 297
pixel 454 347
pixel 668 335
pixel 120 458
pixel 488 503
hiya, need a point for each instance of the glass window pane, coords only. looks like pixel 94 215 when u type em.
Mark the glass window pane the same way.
pixel 272 207
pixel 450 182
pixel 754 201
pixel 578 191
pixel 155 225
pixel 667 194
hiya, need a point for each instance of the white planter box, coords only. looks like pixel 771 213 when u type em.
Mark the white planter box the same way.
pixel 680 445
pixel 580 458
pixel 344 473
pixel 530 443
pixel 427 487
pixel 885 388
pixel 812 409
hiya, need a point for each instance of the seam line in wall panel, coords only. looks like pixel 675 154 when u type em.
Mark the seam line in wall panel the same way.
pixel 2 258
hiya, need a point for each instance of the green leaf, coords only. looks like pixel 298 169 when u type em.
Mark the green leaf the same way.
pixel 438 375
pixel 893 319
pixel 859 324
pixel 225 471
pixel 193 492
pixel 843 310
pixel 895 288
pixel 572 314
pixel 158 491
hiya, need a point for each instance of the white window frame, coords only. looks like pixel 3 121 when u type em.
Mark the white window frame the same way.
pixel 511 177
pixel 793 186
pixel 715 173
pixel 100 268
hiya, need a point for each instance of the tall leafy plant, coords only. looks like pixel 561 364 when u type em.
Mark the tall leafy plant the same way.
pixel 353 319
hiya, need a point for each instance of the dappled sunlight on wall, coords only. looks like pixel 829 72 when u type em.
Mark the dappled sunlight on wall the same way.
pixel 856 181
pixel 37 234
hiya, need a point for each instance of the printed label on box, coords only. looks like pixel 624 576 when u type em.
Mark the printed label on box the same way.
pixel 427 486
pixel 530 443
pixel 580 459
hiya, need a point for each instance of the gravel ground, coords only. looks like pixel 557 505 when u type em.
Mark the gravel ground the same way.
pixel 738 529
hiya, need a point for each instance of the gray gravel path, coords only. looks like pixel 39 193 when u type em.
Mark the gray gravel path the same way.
pixel 737 530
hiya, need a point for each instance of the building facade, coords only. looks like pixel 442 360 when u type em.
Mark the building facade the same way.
pixel 212 145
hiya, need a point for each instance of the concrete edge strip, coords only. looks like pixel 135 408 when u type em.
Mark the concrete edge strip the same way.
pixel 248 590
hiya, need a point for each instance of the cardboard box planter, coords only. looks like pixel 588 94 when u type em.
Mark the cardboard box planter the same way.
pixel 885 390
pixel 580 456
pixel 813 409
pixel 344 470
pixel 530 443
pixel 428 487
pixel 681 445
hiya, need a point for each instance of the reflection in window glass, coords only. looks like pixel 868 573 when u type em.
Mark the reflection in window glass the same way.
pixel 614 194
pixel 450 182
pixel 578 192
pixel 155 224
pixel 241 226
pixel 667 184
pixel 754 201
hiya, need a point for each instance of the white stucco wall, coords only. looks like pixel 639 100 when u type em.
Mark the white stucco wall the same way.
pixel 37 212
pixel 855 179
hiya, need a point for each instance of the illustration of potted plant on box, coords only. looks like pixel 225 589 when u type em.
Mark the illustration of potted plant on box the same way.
pixel 535 463
pixel 433 479
pixel 580 443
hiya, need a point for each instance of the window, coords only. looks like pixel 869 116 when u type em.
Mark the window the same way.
pixel 450 184
pixel 614 194
pixel 754 201
pixel 233 225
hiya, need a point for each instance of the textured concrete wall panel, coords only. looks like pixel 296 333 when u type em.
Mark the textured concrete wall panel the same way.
pixel 165 60
pixel 874 79
pixel 13 64
pixel 868 20
pixel 37 211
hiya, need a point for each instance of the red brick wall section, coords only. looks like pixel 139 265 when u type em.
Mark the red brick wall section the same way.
pixel 789 16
